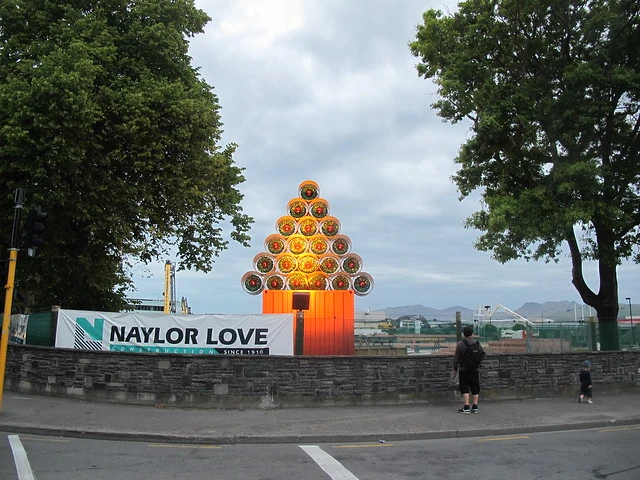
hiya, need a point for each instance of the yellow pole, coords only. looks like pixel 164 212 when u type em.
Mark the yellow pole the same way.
pixel 167 287
pixel 6 319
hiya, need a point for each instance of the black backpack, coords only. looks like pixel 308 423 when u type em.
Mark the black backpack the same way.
pixel 473 356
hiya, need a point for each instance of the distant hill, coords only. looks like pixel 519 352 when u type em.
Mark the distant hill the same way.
pixel 557 311
pixel 446 314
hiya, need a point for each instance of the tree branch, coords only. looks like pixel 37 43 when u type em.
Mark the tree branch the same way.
pixel 577 276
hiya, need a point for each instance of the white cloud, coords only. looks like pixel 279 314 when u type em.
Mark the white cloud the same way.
pixel 257 26
pixel 327 90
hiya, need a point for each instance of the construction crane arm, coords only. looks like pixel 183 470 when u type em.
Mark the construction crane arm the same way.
pixel 498 306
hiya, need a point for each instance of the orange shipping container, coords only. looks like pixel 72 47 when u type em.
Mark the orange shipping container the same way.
pixel 328 324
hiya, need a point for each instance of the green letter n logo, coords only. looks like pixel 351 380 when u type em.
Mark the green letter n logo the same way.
pixel 87 336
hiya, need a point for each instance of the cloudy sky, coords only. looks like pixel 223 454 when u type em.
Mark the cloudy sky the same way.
pixel 326 90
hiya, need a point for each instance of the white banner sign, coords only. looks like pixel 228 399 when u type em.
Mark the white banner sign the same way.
pixel 186 334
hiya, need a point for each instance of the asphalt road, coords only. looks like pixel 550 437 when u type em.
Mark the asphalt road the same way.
pixel 602 453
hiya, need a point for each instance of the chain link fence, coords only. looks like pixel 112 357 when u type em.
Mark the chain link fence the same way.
pixel 556 337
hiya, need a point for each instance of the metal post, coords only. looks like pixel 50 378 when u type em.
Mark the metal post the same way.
pixel 299 345
pixel 487 308
pixel 593 333
pixel 8 299
pixel 633 333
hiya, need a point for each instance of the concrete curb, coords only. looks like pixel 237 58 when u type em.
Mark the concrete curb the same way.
pixel 292 439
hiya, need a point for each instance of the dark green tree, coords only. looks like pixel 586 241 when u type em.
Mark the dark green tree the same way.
pixel 108 128
pixel 551 91
pixel 491 332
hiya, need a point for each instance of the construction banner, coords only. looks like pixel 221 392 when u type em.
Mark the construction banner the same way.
pixel 265 334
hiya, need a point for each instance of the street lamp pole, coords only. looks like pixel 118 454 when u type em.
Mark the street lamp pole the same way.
pixel 633 333
pixel 487 308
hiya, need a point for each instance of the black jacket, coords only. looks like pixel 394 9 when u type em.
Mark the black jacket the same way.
pixel 585 377
pixel 461 348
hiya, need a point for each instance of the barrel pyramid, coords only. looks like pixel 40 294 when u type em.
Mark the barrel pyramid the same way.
pixel 308 251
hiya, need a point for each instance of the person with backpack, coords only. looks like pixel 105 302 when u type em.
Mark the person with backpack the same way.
pixel 466 363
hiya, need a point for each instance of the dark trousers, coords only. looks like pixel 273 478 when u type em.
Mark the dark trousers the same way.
pixel 585 390
pixel 469 381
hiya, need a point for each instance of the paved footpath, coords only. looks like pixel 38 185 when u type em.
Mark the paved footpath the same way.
pixel 67 417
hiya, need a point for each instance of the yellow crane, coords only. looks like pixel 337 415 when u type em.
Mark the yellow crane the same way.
pixel 169 287
pixel 184 306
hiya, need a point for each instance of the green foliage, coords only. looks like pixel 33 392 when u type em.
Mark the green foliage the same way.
pixel 107 126
pixel 491 332
pixel 551 90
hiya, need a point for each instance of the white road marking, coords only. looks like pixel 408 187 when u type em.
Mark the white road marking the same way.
pixel 20 459
pixel 326 462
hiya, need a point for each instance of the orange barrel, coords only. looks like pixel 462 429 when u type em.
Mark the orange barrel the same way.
pixel 297 208
pixel 341 245
pixel 318 245
pixel 340 282
pixel 275 244
pixel 318 281
pixel 308 190
pixel 363 284
pixel 297 281
pixel 308 227
pixel 252 283
pixel 330 226
pixel 308 263
pixel 352 264
pixel 329 264
pixel 319 208
pixel 274 282
pixel 286 226
pixel 263 262
pixel 297 244
pixel 286 263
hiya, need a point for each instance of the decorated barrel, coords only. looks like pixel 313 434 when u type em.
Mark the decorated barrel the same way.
pixel 308 251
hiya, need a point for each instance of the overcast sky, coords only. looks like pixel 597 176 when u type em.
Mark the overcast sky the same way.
pixel 326 90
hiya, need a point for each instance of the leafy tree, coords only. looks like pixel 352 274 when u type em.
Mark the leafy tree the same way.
pixel 551 90
pixel 108 127
pixel 491 332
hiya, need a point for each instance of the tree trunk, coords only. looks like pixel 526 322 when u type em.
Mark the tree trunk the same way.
pixel 609 334
pixel 607 307
pixel 605 302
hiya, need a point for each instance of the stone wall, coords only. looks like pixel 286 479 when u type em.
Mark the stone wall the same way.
pixel 271 382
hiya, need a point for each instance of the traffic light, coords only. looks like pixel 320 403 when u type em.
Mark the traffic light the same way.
pixel 35 228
